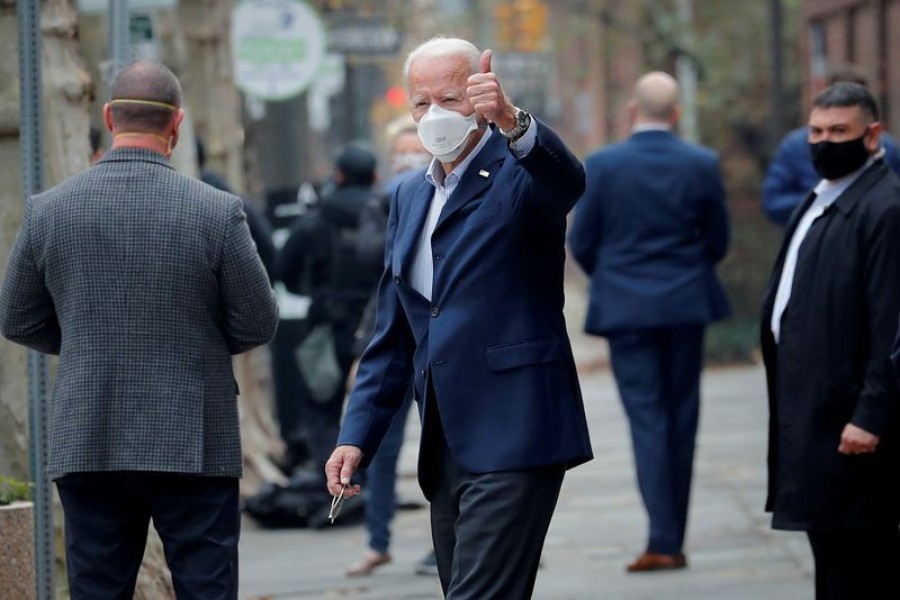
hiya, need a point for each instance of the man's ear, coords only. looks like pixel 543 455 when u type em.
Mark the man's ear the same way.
pixel 872 140
pixel 177 119
pixel 632 113
pixel 107 117
pixel 676 114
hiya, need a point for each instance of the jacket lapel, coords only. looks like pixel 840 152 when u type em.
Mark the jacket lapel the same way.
pixel 852 195
pixel 419 200
pixel 479 175
pixel 844 203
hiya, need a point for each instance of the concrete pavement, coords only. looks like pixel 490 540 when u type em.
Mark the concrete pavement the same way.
pixel 599 523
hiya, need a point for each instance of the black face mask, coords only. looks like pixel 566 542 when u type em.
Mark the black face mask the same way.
pixel 834 160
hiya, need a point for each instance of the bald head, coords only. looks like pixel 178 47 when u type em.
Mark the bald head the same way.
pixel 656 97
pixel 155 88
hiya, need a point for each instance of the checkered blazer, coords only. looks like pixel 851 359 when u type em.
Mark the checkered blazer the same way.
pixel 145 282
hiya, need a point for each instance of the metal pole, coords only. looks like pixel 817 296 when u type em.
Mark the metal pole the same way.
pixel 776 94
pixel 31 143
pixel 686 73
pixel 119 33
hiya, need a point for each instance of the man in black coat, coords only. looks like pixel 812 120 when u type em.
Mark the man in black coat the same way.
pixel 322 258
pixel 828 322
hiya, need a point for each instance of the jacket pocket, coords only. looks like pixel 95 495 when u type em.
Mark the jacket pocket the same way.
pixel 520 354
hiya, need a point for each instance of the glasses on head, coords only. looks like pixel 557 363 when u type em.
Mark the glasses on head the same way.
pixel 337 503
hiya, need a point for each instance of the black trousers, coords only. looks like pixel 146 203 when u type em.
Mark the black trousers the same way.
pixel 488 529
pixel 106 520
pixel 856 564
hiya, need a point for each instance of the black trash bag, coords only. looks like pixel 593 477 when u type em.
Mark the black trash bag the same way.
pixel 304 502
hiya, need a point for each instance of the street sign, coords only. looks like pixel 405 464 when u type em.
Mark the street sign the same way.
pixel 100 6
pixel 526 78
pixel 277 46
pixel 363 36
pixel 144 43
pixel 329 81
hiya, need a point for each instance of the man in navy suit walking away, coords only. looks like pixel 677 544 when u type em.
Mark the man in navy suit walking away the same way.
pixel 648 231
pixel 470 309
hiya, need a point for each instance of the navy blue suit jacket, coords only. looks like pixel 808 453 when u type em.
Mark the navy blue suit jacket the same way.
pixel 493 339
pixel 649 230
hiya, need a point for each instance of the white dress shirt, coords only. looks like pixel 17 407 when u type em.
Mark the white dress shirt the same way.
pixel 826 193
pixel 422 274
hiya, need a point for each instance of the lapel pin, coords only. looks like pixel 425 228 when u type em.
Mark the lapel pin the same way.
pixel 484 173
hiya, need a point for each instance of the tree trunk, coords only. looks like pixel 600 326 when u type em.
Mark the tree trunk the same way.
pixel 215 107
pixel 208 84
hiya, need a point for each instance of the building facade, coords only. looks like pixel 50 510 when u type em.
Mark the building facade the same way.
pixel 858 34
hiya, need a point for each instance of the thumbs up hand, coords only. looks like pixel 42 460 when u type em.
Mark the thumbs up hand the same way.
pixel 487 97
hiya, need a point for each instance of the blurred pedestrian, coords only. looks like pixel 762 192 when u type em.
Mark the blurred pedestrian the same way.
pixel 96 139
pixel 145 282
pixel 791 174
pixel 408 159
pixel 649 231
pixel 470 308
pixel 827 325
pixel 321 258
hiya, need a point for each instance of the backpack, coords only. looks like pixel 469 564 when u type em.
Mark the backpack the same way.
pixel 303 502
pixel 323 257
pixel 303 261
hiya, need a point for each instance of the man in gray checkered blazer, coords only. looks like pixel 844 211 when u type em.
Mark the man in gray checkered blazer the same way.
pixel 145 282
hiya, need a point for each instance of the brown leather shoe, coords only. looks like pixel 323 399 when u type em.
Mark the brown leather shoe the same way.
pixel 651 561
pixel 371 561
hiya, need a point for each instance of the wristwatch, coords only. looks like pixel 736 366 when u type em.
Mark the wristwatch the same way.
pixel 523 120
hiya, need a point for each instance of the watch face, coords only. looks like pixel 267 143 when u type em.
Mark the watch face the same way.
pixel 522 118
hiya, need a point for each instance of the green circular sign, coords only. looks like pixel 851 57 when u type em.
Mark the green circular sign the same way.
pixel 277 46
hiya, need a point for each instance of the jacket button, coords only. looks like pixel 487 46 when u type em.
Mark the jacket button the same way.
pixel 435 312
pixel 437 257
pixel 396 279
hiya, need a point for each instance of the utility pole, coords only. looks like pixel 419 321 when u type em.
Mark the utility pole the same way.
pixel 776 82
pixel 32 129
pixel 686 72
pixel 118 36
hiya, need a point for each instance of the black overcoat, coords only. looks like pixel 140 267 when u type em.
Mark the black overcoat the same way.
pixel 832 364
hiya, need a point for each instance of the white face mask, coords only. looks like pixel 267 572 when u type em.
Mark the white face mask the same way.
pixel 408 161
pixel 444 132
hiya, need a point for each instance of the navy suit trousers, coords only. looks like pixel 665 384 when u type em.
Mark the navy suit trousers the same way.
pixel 107 516
pixel 658 374
pixel 488 529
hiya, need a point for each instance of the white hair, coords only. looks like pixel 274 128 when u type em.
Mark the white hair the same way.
pixel 443 46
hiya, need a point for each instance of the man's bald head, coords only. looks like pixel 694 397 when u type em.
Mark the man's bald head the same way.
pixel 656 97
pixel 150 82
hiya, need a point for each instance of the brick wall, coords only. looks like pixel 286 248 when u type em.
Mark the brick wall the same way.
pixel 863 34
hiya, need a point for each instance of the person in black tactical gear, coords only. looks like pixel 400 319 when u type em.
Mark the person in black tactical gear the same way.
pixel 322 259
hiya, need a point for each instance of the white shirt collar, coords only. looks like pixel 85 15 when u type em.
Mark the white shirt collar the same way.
pixel 435 173
pixel 651 127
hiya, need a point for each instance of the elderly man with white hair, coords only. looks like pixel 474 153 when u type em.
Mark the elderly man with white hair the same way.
pixel 470 308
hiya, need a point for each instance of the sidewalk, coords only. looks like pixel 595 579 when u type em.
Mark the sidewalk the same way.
pixel 599 523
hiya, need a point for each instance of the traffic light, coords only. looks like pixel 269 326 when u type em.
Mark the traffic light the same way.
pixel 532 25
pixel 521 24
pixel 504 15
